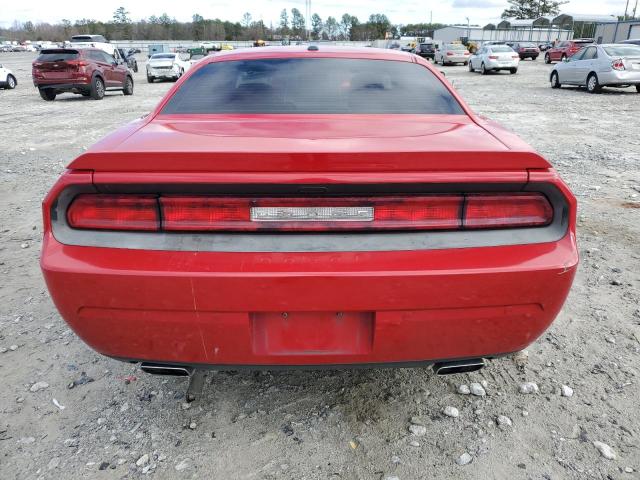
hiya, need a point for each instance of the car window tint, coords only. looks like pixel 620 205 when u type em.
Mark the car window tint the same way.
pixel 501 49
pixel 58 56
pixel 590 53
pixel 578 56
pixel 320 85
pixel 623 51
pixel 107 58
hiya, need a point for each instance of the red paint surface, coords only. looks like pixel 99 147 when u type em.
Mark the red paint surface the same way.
pixel 218 308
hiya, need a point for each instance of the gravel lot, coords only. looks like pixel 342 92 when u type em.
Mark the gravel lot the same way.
pixel 66 412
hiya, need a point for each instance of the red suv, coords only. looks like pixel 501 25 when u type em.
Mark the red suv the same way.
pixel 89 72
pixel 566 49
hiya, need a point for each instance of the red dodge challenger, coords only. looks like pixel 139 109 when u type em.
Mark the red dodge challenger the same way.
pixel 309 206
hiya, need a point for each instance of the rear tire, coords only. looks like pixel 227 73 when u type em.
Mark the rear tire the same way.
pixel 150 79
pixel 555 80
pixel 547 58
pixel 638 88
pixel 513 71
pixel 471 69
pixel 97 88
pixel 47 94
pixel 135 67
pixel 128 86
pixel 11 82
pixel 483 69
pixel 593 85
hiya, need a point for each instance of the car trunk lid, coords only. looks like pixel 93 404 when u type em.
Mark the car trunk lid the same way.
pixel 310 143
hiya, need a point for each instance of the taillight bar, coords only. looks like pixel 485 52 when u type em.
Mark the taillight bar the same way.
pixel 181 213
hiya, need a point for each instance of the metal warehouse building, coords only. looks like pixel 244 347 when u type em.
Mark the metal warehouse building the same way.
pixel 541 29
pixel 611 32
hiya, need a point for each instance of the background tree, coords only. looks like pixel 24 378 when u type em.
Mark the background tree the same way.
pixel 284 22
pixel 246 20
pixel 297 23
pixel 198 26
pixel 316 26
pixel 526 9
pixel 331 28
pixel 379 24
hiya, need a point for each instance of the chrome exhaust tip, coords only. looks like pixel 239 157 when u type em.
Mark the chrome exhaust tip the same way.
pixel 168 370
pixel 458 366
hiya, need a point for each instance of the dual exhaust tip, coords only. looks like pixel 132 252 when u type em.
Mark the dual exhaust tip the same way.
pixel 458 366
pixel 440 368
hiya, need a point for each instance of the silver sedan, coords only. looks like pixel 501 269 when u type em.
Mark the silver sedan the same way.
pixel 597 66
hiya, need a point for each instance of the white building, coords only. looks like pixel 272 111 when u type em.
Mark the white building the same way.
pixel 538 30
pixel 611 32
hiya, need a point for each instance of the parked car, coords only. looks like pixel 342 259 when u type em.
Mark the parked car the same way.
pixel 195 58
pixel 425 50
pixel 220 231
pixel 93 41
pixel 6 48
pixel 566 49
pixel 167 65
pixel 7 78
pixel 19 48
pixel 130 57
pixel 597 66
pixel 493 58
pixel 545 46
pixel 452 53
pixel 634 41
pixel 526 50
pixel 86 71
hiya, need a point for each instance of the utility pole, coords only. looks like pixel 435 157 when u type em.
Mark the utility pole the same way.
pixel 625 10
pixel 634 9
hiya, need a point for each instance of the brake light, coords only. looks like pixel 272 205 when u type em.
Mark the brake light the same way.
pixel 114 212
pixel 618 64
pixel 450 53
pixel 176 213
pixel 467 53
pixel 493 57
pixel 77 63
pixel 500 211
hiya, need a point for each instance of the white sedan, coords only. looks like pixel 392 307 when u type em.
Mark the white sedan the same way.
pixel 167 65
pixel 7 78
pixel 493 58
pixel 597 66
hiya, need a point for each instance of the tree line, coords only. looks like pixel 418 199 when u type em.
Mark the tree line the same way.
pixel 291 25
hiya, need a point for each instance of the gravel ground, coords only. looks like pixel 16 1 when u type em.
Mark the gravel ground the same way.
pixel 66 412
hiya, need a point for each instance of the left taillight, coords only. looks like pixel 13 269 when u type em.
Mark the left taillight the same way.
pixel 184 213
pixel 618 64
pixel 114 212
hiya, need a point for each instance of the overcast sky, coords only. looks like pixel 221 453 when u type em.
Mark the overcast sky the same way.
pixel 398 11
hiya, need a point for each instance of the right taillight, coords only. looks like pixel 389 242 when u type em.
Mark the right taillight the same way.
pixel 504 211
pixel 189 213
pixel 618 64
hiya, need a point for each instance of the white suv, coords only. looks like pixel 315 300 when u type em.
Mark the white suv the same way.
pixel 7 78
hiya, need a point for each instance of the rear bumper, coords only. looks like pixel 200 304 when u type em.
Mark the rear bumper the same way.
pixel 456 58
pixel 504 65
pixel 63 87
pixel 624 77
pixel 314 308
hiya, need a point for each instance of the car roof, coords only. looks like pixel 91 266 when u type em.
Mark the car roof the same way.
pixel 301 51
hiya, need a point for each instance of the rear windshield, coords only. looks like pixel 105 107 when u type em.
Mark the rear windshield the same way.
pixel 57 55
pixel 163 55
pixel 623 51
pixel 320 85
pixel 499 48
pixel 456 47
pixel 527 45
